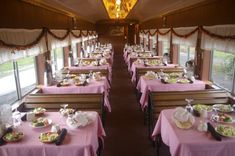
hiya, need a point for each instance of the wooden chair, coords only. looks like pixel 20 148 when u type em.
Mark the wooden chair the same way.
pixel 52 102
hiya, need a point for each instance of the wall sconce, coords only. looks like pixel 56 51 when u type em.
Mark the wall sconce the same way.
pixel 164 21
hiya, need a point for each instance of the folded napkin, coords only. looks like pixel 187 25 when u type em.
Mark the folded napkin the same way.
pixel 59 84
pixel 214 134
pixel 190 81
pixel 196 113
pixel 163 81
pixel 61 137
pixel 2 141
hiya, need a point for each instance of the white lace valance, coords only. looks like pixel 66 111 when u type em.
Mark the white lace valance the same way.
pixel 21 37
pixel 56 43
pixel 189 41
pixel 74 39
pixel 166 37
pixel 210 43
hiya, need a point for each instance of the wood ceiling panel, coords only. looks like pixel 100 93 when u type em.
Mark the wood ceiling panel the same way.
pixel 94 10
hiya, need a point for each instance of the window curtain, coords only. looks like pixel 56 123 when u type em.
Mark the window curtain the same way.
pixel 210 42
pixel 22 38
pixel 153 33
pixel 190 40
pixel 163 36
pixel 55 42
pixel 75 36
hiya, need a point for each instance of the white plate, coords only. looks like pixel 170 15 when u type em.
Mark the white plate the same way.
pixel 49 123
pixel 222 108
pixel 216 129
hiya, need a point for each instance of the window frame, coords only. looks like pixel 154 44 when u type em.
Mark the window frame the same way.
pixel 16 75
pixel 232 91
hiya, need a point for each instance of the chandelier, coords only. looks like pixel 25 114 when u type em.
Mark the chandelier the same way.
pixel 119 9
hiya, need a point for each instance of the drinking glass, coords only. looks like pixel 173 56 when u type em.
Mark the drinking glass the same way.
pixel 64 106
pixel 189 107
pixel 16 116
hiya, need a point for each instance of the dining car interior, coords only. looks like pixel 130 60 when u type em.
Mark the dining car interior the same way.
pixel 117 78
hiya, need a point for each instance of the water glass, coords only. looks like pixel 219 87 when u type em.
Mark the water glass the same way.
pixel 189 107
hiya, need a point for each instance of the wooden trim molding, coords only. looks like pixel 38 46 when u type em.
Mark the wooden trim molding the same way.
pixel 49 7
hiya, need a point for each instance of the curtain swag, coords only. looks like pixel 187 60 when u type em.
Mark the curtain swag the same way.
pixel 200 28
pixel 44 33
pixel 57 37
pixel 23 47
pixel 74 35
pixel 232 37
pixel 184 35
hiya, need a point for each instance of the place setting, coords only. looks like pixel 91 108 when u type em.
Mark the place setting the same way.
pixel 215 119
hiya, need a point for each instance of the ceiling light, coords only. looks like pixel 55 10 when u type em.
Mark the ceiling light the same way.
pixel 122 7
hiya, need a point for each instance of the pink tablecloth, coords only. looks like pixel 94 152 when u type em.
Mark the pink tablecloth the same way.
pixel 89 67
pixel 78 142
pixel 190 142
pixel 145 86
pixel 129 57
pixel 93 87
pixel 134 66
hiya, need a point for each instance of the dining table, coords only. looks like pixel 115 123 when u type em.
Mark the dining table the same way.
pixel 91 67
pixel 81 141
pixel 136 66
pixel 191 142
pixel 94 86
pixel 145 86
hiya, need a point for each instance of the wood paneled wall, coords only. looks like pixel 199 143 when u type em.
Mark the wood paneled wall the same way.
pixel 214 13
pixel 18 14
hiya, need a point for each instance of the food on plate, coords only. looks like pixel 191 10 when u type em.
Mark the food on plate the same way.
pixel 171 80
pixel 183 81
pixel 175 75
pixel 65 82
pixel 13 136
pixel 225 130
pixel 40 122
pixel 223 107
pixel 200 107
pixel 150 75
pixel 66 111
pixel 222 117
pixel 182 118
pixel 39 111
pixel 48 137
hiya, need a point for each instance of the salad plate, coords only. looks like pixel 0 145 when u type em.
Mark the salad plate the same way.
pixel 225 130
pixel 40 123
pixel 39 111
pixel 222 118
pixel 183 81
pixel 48 137
pixel 200 107
pixel 225 108
pixel 13 136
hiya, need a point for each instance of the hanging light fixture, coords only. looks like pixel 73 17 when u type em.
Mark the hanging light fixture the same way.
pixel 119 9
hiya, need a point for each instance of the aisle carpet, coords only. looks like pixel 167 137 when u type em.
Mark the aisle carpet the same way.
pixel 125 129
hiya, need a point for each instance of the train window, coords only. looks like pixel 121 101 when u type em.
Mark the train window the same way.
pixel 185 53
pixel 26 67
pixel 8 93
pixel 57 57
pixel 75 50
pixel 154 42
pixel 222 72
pixel 165 47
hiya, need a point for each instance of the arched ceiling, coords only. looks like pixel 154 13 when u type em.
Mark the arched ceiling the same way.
pixel 94 10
